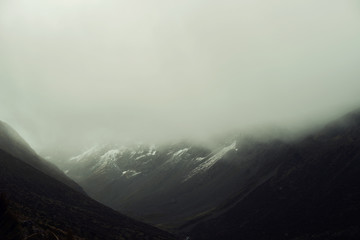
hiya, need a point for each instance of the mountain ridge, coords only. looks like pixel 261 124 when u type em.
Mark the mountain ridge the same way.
pixel 13 143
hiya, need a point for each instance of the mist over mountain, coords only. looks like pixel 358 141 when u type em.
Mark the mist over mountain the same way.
pixel 270 188
pixel 78 73
pixel 167 185
pixel 38 201
pixel 314 193
pixel 14 144
pixel 207 119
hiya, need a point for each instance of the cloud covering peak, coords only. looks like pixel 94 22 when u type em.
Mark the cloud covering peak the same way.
pixel 81 70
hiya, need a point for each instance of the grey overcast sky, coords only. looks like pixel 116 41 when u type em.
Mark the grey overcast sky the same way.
pixel 79 71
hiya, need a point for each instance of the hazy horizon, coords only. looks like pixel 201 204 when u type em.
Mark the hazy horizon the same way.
pixel 78 72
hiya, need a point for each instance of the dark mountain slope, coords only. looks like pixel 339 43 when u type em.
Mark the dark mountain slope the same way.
pixel 13 143
pixel 9 224
pixel 170 184
pixel 49 203
pixel 315 193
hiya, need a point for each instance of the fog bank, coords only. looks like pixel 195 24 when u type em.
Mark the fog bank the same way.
pixel 78 72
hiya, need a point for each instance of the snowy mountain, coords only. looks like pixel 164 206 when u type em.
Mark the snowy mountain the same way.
pixel 169 184
pixel 240 186
pixel 244 186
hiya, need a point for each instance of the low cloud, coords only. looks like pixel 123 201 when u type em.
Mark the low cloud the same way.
pixel 77 72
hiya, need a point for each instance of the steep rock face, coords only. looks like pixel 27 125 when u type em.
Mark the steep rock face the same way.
pixel 13 143
pixel 314 194
pixel 46 203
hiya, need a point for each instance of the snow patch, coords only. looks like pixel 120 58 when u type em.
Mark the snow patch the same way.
pixel 180 152
pixel 108 160
pixel 175 158
pixel 85 154
pixel 211 161
pixel 152 150
pixel 140 157
pixel 110 155
pixel 130 173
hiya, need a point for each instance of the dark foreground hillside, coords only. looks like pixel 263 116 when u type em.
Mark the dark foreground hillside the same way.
pixel 315 193
pixel 11 142
pixel 45 204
